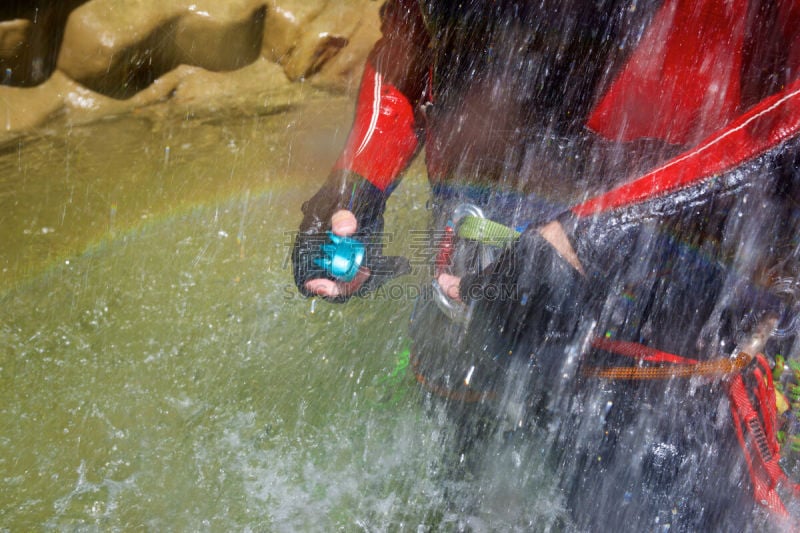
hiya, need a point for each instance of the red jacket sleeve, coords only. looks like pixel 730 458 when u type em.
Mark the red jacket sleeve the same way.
pixel 384 136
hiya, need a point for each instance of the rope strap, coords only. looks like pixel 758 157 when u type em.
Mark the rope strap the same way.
pixel 715 367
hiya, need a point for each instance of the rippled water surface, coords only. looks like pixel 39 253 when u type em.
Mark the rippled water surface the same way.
pixel 158 370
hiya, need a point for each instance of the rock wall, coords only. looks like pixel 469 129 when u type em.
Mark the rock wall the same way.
pixel 79 60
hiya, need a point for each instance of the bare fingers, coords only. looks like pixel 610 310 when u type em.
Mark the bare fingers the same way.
pixel 333 289
pixel 450 285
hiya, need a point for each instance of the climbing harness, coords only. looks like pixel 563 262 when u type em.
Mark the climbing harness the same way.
pixel 752 398
pixel 749 379
pixel 752 394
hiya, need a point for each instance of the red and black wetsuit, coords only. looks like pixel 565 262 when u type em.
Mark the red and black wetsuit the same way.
pixel 479 83
pixel 686 113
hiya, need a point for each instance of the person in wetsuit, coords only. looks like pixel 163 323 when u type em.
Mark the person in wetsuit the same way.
pixel 530 109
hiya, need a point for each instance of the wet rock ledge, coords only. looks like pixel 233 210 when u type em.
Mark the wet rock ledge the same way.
pixel 78 60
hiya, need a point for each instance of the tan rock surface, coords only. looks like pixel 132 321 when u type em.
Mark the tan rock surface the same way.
pixel 343 69
pixel 284 25
pixel 14 47
pixel 193 57
pixel 24 108
pixel 120 51
pixel 14 35
pixel 328 33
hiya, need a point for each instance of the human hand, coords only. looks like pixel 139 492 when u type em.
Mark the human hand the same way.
pixel 344 224
pixel 451 285
pixel 345 206
pixel 547 245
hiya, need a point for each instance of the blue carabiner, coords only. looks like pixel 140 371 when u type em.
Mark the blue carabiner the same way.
pixel 342 257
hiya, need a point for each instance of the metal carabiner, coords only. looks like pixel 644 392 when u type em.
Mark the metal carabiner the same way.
pixel 453 309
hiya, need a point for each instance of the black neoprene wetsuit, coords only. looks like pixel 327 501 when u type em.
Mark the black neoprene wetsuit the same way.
pixel 663 136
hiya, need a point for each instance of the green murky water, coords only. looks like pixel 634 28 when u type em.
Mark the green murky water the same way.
pixel 157 369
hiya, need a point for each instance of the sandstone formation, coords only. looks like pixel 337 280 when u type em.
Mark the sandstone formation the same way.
pixel 83 60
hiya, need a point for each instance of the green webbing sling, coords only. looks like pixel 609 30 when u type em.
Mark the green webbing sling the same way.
pixel 486 231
